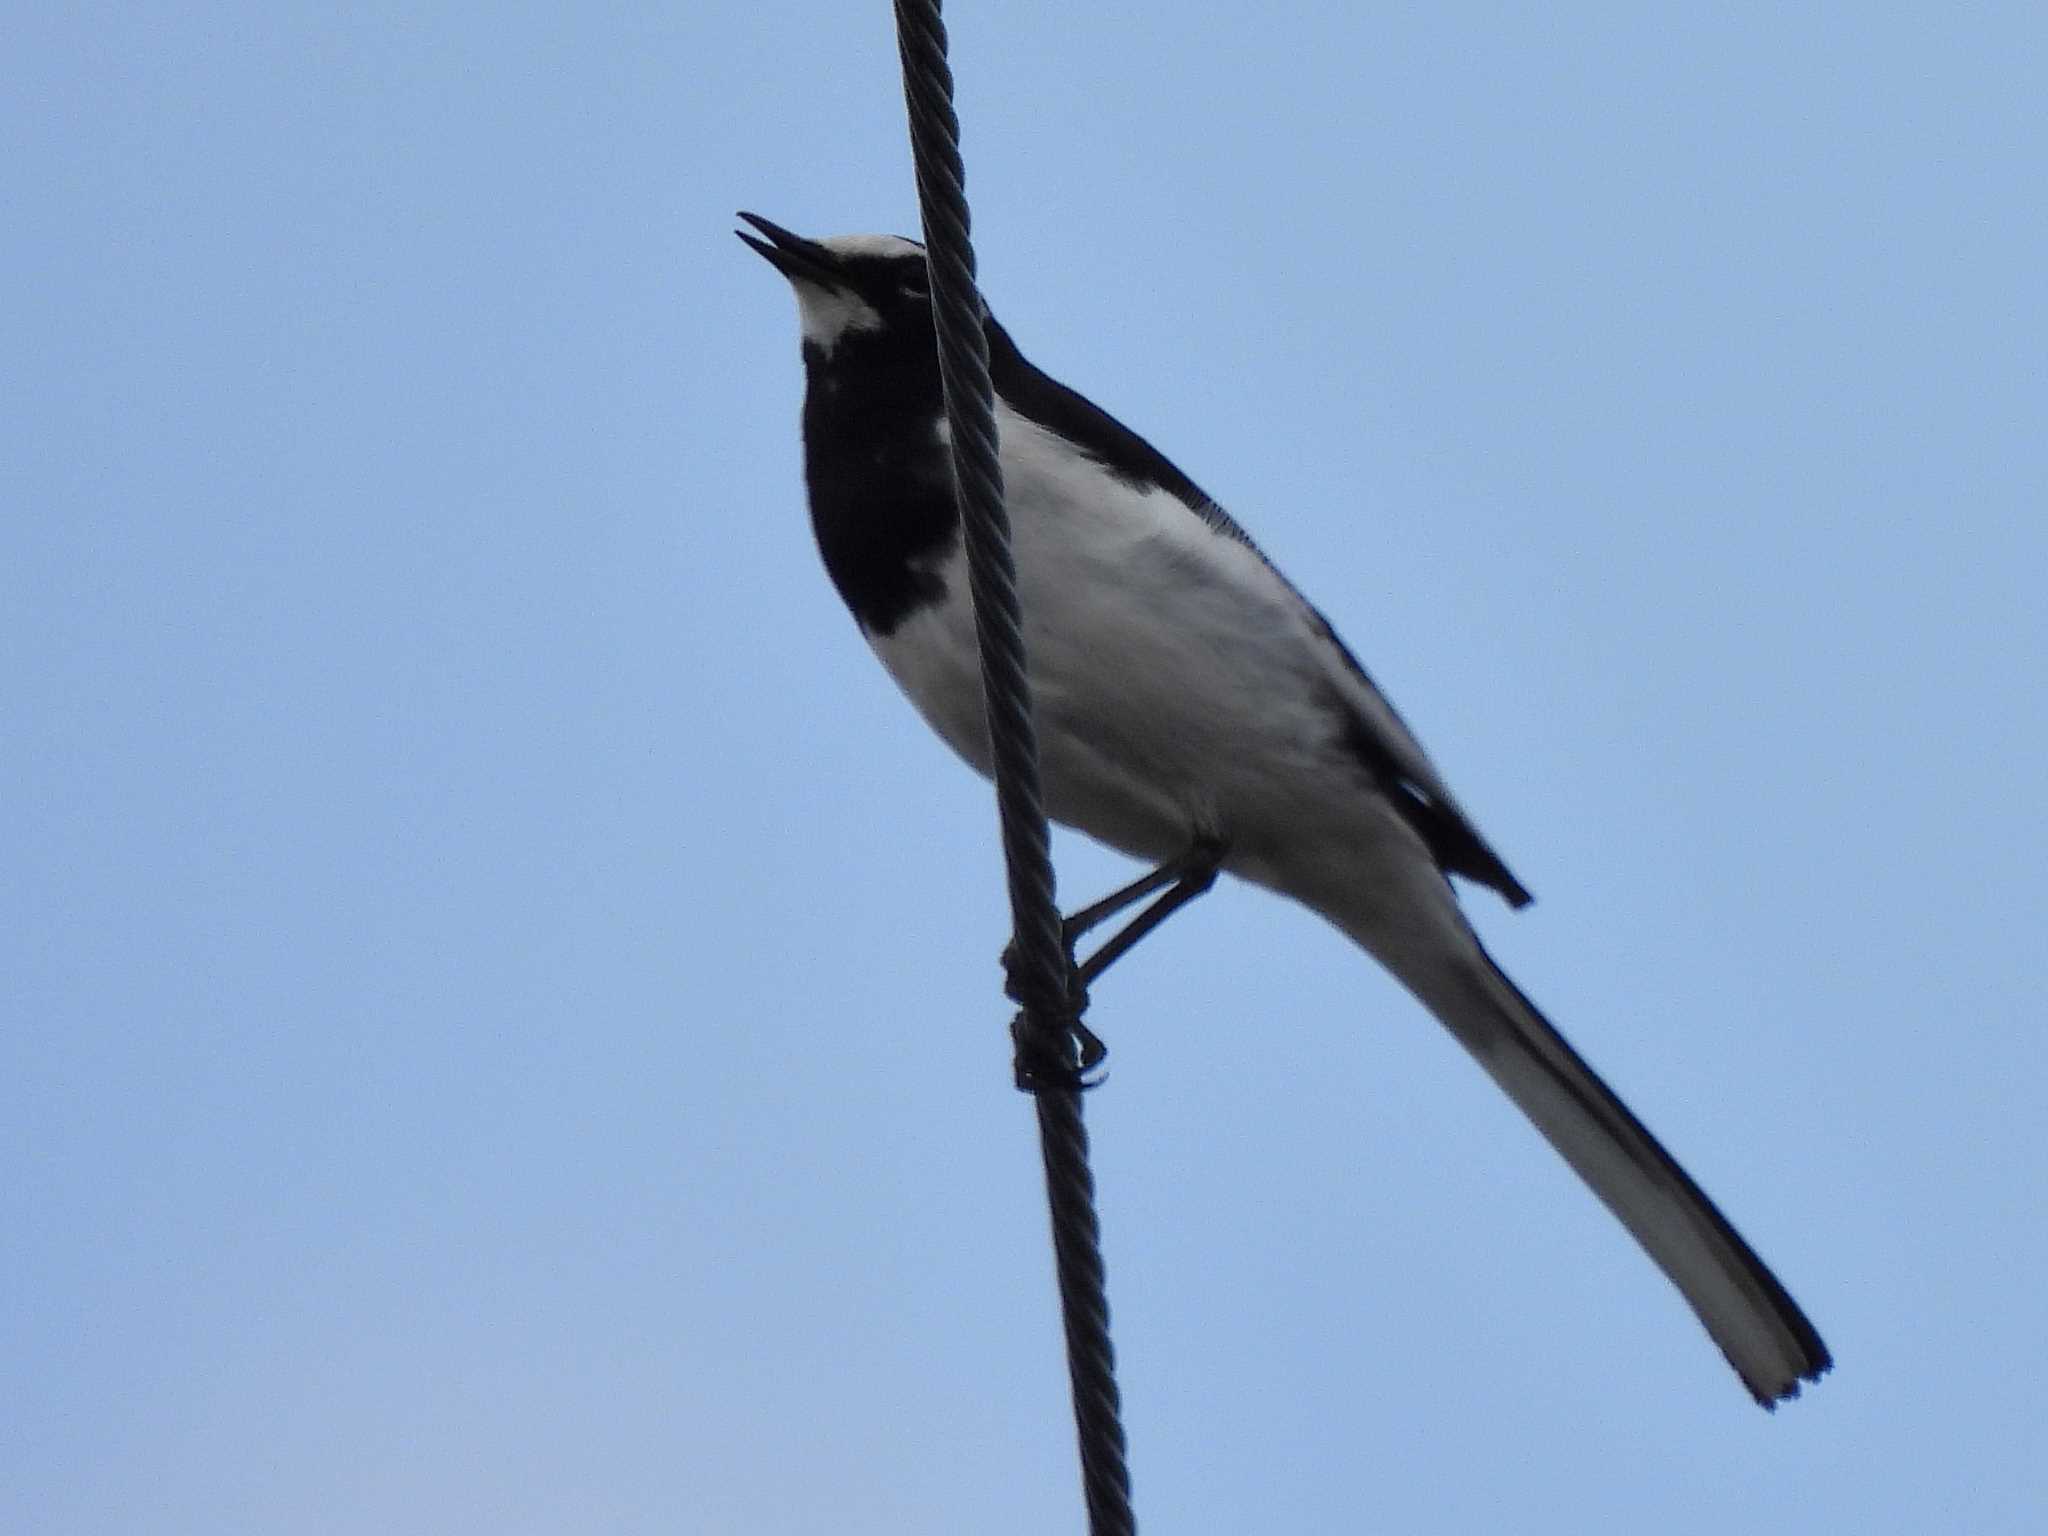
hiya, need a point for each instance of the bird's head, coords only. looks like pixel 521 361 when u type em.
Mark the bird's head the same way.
pixel 849 285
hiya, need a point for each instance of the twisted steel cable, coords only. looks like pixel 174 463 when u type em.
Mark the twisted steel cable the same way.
pixel 1041 972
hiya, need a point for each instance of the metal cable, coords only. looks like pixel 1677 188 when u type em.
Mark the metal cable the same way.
pixel 1041 973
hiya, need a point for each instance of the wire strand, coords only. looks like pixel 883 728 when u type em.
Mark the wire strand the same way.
pixel 1041 972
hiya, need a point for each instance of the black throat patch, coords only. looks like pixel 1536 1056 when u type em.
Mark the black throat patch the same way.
pixel 880 480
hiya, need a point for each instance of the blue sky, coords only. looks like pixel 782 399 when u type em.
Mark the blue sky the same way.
pixel 499 1023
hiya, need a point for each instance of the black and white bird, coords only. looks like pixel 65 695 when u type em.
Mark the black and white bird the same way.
pixel 1195 711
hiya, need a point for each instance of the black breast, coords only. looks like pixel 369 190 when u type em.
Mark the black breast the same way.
pixel 880 481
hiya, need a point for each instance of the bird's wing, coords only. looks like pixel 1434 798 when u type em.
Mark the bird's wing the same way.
pixel 1388 751
pixel 1381 740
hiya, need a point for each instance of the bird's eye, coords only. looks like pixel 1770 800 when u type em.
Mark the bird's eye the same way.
pixel 916 288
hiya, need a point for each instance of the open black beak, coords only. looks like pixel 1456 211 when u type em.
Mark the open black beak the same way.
pixel 798 259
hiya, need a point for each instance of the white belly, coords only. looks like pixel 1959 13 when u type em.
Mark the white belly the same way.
pixel 1178 682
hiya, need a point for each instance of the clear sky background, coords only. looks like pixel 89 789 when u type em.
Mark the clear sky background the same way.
pixel 499 1025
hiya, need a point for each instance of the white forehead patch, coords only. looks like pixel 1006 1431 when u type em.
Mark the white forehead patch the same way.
pixel 871 245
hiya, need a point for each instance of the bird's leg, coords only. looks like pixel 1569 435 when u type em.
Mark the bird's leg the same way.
pixel 1185 877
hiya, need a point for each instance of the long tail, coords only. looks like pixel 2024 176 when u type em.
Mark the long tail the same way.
pixel 1748 1313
